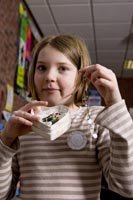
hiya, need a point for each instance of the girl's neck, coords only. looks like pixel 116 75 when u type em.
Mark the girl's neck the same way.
pixel 73 108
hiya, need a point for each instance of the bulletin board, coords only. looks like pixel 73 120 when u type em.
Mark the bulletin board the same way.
pixel 26 42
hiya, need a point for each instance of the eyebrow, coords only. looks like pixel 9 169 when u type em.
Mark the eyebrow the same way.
pixel 40 62
pixel 60 63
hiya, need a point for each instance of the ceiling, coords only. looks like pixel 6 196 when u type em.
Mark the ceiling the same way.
pixel 105 25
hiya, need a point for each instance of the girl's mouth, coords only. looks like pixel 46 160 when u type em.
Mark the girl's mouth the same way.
pixel 51 90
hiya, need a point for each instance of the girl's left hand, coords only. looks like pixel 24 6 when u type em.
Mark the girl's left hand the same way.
pixel 105 82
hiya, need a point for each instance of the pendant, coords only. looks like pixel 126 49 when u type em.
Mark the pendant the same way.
pixel 77 140
pixel 90 121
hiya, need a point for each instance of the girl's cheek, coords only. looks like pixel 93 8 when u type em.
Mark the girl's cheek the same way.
pixel 37 78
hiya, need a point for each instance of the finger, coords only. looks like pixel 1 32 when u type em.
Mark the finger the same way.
pixel 104 83
pixel 87 70
pixel 21 120
pixel 33 104
pixel 102 72
pixel 36 110
pixel 26 115
pixel 94 76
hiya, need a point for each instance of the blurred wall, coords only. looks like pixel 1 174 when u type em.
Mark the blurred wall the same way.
pixel 126 88
pixel 9 26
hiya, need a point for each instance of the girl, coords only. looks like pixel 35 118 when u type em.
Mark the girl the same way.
pixel 98 142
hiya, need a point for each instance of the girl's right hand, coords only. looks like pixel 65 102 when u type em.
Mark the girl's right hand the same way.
pixel 20 122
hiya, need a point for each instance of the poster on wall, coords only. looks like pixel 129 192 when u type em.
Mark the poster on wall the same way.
pixel 6 104
pixel 26 44
pixel 9 98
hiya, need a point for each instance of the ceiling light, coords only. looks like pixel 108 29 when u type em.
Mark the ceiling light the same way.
pixel 128 64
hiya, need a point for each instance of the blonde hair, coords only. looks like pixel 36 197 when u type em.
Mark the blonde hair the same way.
pixel 74 48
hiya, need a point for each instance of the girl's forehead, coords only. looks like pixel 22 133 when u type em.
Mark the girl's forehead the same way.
pixel 49 53
pixel 48 50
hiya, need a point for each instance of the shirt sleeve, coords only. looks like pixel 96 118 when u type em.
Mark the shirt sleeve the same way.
pixel 9 172
pixel 115 147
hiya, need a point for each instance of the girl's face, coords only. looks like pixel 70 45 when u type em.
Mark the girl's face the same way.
pixel 54 77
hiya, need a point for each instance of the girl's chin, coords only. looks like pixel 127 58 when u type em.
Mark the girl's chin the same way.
pixel 52 102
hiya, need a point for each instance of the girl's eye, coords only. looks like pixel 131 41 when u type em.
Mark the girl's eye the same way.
pixel 41 67
pixel 62 68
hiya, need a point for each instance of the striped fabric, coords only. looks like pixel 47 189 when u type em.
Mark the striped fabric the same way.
pixel 51 170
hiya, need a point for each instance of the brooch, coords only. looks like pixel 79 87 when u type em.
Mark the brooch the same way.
pixel 77 140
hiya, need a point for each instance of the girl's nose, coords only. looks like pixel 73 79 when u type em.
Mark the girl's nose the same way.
pixel 51 75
